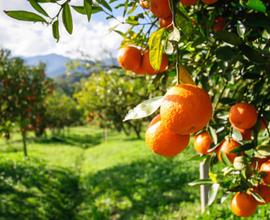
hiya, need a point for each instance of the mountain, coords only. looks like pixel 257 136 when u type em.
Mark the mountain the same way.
pixel 55 64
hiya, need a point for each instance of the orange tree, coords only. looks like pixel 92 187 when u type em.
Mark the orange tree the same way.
pixel 224 45
pixel 23 90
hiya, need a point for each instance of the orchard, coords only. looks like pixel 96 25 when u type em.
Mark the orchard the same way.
pixel 213 56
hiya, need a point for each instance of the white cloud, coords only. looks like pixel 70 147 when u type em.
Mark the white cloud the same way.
pixel 28 39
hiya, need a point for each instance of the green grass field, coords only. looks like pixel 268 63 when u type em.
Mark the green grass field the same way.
pixel 81 176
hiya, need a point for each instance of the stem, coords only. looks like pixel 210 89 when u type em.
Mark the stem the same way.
pixel 24 143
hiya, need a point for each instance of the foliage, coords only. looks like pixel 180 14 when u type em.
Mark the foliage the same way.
pixel 107 97
pixel 61 111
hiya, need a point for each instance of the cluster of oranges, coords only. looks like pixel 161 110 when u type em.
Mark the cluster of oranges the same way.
pixel 161 9
pixel 243 117
pixel 133 59
pixel 185 109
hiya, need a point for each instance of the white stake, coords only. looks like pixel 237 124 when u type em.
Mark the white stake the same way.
pixel 204 170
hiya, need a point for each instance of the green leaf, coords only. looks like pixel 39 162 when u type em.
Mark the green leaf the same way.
pixel 225 159
pixel 81 9
pixel 213 134
pixel 257 197
pixel 144 109
pixel 156 48
pixel 228 37
pixel 105 4
pixel 236 135
pixel 25 16
pixel 201 182
pixel 242 148
pixel 67 18
pixel 213 193
pixel 257 5
pixel 263 150
pixel 88 8
pixel 239 163
pixel 55 29
pixel 253 54
pixel 38 8
pixel 226 53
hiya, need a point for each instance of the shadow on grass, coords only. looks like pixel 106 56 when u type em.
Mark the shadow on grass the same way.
pixel 143 188
pixel 29 190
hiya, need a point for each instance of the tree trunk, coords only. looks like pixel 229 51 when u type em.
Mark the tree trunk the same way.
pixel 24 143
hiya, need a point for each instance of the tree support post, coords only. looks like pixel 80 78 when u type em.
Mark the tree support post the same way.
pixel 204 170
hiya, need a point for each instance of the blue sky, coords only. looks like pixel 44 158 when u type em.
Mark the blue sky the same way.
pixel 29 39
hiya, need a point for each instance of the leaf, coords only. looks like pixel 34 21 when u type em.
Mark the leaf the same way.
pixel 257 5
pixel 226 53
pixel 88 8
pixel 257 197
pixel 67 18
pixel 144 109
pixel 228 37
pixel 242 148
pixel 225 159
pixel 236 135
pixel 213 134
pixel 81 9
pixel 185 77
pixel 38 8
pixel 200 182
pixel 156 48
pixel 105 4
pixel 25 16
pixel 263 150
pixel 55 29
pixel 213 193
pixel 253 54
pixel 239 163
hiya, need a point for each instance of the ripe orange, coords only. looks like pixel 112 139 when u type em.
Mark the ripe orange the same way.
pixel 202 142
pixel 163 141
pixel 188 2
pixel 263 123
pixel 257 162
pixel 165 22
pixel 130 58
pixel 243 116
pixel 145 4
pixel 264 192
pixel 219 24
pixel 209 2
pixel 160 8
pixel 186 109
pixel 243 205
pixel 148 69
pixel 265 167
pixel 226 147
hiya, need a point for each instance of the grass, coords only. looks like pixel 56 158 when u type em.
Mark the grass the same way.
pixel 80 176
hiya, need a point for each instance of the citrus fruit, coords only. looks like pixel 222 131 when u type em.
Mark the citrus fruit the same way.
pixel 165 22
pixel 209 2
pixel 186 109
pixel 160 8
pixel 264 192
pixel 265 167
pixel 219 24
pixel 163 141
pixel 243 204
pixel 202 142
pixel 147 68
pixel 188 2
pixel 144 4
pixel 226 147
pixel 129 58
pixel 243 116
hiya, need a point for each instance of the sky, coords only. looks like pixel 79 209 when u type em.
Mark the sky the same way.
pixel 30 39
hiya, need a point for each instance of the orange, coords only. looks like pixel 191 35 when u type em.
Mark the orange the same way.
pixel 226 147
pixel 263 123
pixel 144 4
pixel 186 109
pixel 202 142
pixel 163 141
pixel 219 24
pixel 188 2
pixel 209 2
pixel 148 69
pixel 165 22
pixel 243 116
pixel 161 8
pixel 265 167
pixel 264 192
pixel 243 205
pixel 130 58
